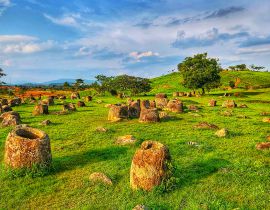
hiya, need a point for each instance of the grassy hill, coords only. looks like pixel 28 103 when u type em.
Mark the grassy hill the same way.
pixel 173 82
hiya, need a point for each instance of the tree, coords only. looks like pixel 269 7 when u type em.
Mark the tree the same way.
pixel 1 75
pixel 200 72
pixel 79 83
pixel 256 68
pixel 239 67
pixel 131 84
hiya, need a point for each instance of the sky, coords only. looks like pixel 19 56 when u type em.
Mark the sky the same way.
pixel 43 40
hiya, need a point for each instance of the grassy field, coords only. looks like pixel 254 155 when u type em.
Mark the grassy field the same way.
pixel 221 173
pixel 172 82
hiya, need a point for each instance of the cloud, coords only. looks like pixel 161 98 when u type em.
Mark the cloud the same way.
pixel 16 38
pixel 254 50
pixel 66 20
pixel 254 41
pixel 138 55
pixel 7 63
pixel 28 48
pixel 4 4
pixel 209 38
pixel 204 16
pixel 225 12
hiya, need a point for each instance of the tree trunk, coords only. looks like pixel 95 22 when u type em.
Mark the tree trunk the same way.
pixel 203 91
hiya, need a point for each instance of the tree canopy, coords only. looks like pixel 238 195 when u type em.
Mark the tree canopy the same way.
pixel 200 71
pixel 1 75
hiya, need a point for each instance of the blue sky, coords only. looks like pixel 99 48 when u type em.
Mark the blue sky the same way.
pixel 45 40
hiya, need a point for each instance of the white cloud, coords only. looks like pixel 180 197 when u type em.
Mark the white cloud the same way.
pixel 139 55
pixel 67 20
pixel 5 3
pixel 16 38
pixel 28 48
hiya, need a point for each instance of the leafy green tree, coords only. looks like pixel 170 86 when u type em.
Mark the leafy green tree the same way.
pixel 239 67
pixel 79 84
pixel 104 83
pixel 256 68
pixel 1 75
pixel 200 71
pixel 131 84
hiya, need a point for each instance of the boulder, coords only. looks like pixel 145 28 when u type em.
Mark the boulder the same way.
pixel 101 129
pixel 161 100
pixel 243 106
pixel 15 102
pixel 149 166
pixel 75 95
pixel 3 101
pixel 175 106
pixel 10 118
pixel 266 119
pixel 41 109
pixel 222 132
pixel 145 104
pixel 48 101
pixel 263 145
pixel 6 108
pixel 140 207
pixel 205 125
pixel 265 113
pixel 100 177
pixel 124 140
pixel 69 107
pixel 80 104
pixel 193 108
pixel 88 98
pixel 164 116
pixel 153 104
pixel 26 146
pixel 134 109
pixel 118 112
pixel 212 103
pixel 149 115
pixel 62 97
pixel 46 122
pixel 175 94
pixel 229 104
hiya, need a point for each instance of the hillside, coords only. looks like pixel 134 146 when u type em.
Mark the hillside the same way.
pixel 172 82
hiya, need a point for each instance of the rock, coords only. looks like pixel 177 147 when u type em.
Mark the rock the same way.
pixel 120 95
pixel 149 166
pixel 140 207
pixel 153 104
pixel 242 116
pixel 175 94
pixel 100 177
pixel 88 98
pixel 161 100
pixel 193 143
pixel 69 107
pixel 15 102
pixel 268 138
pixel 75 95
pixel 229 104
pixel 181 94
pixel 175 106
pixel 101 129
pixel 227 113
pixel 80 104
pixel 212 103
pixel 124 140
pixel 222 132
pixel 3 101
pixel 149 115
pixel 118 112
pixel 62 97
pixel 41 109
pixel 10 118
pixel 48 101
pixel 134 109
pixel 26 146
pixel 145 104
pixel 243 106
pixel 164 115
pixel 188 94
pixel 6 108
pixel 266 119
pixel 265 113
pixel 46 122
pixel 206 125
pixel 263 145
pixel 193 108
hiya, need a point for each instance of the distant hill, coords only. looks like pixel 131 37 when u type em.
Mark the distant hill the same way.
pixel 54 82
pixel 173 82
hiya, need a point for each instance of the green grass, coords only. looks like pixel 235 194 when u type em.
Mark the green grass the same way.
pixel 221 173
pixel 173 82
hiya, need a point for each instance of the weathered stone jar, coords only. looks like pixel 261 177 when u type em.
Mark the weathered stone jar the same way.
pixel 149 115
pixel 118 112
pixel 149 166
pixel 26 146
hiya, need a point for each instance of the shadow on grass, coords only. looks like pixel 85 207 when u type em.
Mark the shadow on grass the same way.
pixel 70 162
pixel 199 170
pixel 189 101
